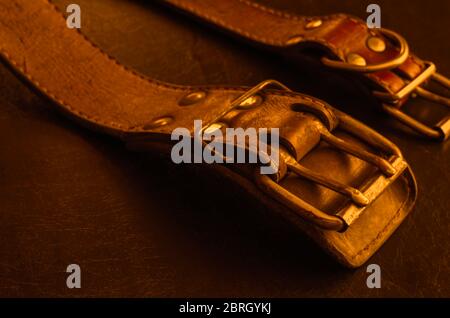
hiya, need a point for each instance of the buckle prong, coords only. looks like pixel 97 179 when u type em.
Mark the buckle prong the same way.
pixel 372 188
pixel 382 164
pixel 442 129
pixel 441 79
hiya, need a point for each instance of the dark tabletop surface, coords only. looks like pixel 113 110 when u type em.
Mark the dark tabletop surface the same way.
pixel 140 226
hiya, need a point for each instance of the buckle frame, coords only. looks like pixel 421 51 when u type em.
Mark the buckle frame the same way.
pixel 441 130
pixel 390 168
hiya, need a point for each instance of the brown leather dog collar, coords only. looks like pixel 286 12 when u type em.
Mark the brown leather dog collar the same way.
pixel 344 43
pixel 97 91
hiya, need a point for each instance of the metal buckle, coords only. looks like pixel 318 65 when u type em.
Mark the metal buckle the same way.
pixel 442 129
pixel 390 168
pixel 397 61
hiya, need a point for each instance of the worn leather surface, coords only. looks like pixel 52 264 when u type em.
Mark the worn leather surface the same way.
pixel 103 94
pixel 338 35
pixel 162 255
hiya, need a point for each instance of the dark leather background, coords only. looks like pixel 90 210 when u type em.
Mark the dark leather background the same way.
pixel 140 226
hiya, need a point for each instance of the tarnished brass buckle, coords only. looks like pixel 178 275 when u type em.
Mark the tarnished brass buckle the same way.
pixel 390 169
pixel 442 129
pixel 397 61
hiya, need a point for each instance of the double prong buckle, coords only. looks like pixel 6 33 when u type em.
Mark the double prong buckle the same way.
pixel 391 165
pixel 391 102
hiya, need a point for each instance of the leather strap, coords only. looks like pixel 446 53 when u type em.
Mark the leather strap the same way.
pixel 336 40
pixel 97 91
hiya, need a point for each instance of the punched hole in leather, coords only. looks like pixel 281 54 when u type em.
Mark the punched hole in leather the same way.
pixel 88 85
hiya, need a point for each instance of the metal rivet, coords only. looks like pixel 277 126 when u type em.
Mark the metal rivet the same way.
pixel 376 44
pixel 192 98
pixel 356 59
pixel 158 122
pixel 294 40
pixel 252 101
pixel 313 24
pixel 213 128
